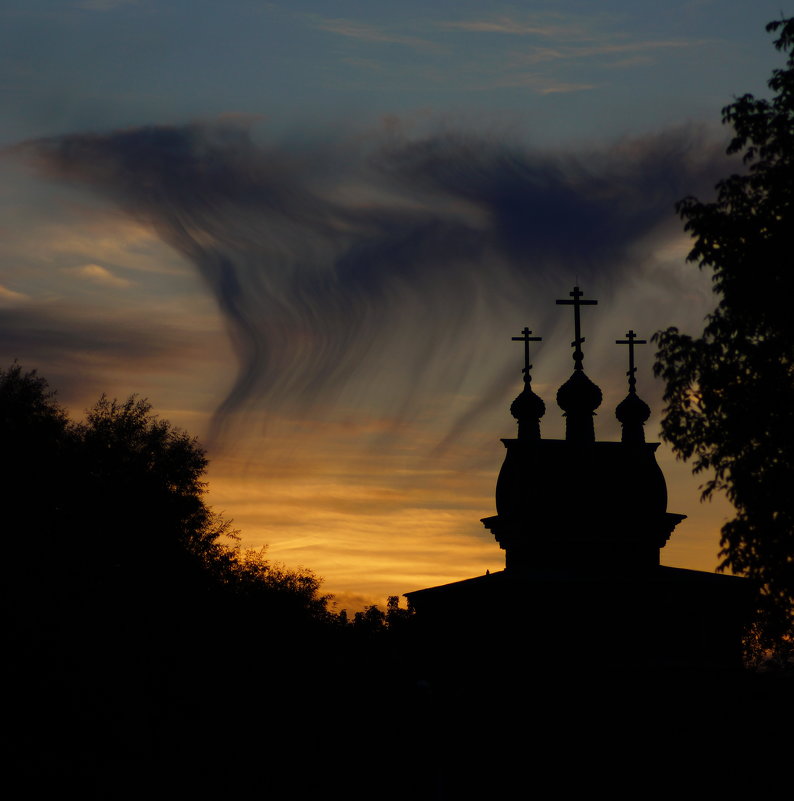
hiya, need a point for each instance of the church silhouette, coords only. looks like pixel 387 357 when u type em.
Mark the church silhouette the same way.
pixel 582 523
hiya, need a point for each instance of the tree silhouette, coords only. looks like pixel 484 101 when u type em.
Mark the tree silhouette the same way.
pixel 120 497
pixel 33 434
pixel 140 490
pixel 730 392
pixel 127 601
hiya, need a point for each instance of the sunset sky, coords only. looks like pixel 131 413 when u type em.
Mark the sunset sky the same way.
pixel 307 232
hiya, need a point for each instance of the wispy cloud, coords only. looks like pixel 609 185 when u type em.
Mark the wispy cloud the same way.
pixel 541 84
pixel 8 297
pixel 567 39
pixel 83 349
pixel 544 53
pixel 103 5
pixel 362 31
pixel 363 63
pixel 97 274
pixel 536 27
pixel 539 55
pixel 628 63
pixel 323 291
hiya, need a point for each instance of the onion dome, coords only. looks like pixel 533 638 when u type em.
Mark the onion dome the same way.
pixel 633 412
pixel 579 397
pixel 528 408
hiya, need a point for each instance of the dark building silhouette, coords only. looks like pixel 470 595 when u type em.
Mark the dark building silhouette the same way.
pixel 582 523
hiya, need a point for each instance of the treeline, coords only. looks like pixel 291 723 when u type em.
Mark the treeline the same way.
pixel 138 628
pixel 149 656
pixel 116 503
pixel 112 509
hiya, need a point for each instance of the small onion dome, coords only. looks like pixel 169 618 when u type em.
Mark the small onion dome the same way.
pixel 528 408
pixel 632 413
pixel 579 397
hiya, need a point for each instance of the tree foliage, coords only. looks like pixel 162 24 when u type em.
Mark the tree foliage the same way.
pixel 117 501
pixel 139 630
pixel 372 619
pixel 730 392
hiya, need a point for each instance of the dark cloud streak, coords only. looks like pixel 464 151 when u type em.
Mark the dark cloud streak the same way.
pixel 321 258
pixel 79 350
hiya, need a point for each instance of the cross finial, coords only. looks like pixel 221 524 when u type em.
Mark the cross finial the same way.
pixel 577 301
pixel 631 340
pixel 526 339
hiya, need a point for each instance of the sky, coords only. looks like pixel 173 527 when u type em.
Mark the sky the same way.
pixel 307 232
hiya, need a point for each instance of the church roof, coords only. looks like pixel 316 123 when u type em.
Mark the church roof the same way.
pixel 582 523
pixel 504 579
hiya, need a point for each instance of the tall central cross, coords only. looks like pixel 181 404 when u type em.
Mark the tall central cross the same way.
pixel 577 326
pixel 526 339
pixel 631 340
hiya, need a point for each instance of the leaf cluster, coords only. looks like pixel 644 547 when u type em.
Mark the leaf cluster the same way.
pixel 374 620
pixel 116 502
pixel 730 392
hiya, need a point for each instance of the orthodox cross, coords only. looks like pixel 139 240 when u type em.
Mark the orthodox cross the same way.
pixel 526 339
pixel 578 338
pixel 631 340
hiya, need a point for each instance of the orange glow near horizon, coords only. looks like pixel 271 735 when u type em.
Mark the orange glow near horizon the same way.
pixel 377 491
pixel 372 527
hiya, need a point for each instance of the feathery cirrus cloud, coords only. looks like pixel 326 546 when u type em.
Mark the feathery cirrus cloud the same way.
pixel 333 261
